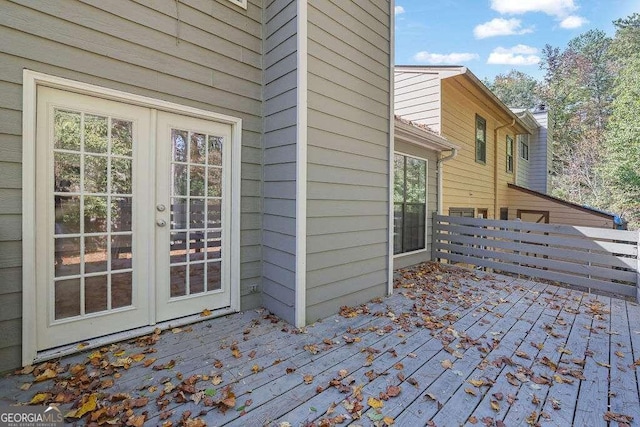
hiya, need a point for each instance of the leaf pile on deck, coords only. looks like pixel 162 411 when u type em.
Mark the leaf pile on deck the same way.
pixel 443 333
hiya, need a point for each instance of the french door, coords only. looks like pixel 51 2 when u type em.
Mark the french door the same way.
pixel 132 216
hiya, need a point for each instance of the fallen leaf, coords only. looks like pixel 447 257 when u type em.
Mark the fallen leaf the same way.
pixel 473 420
pixel 522 354
pixel 495 406
pixel 89 403
pixel 477 383
pixel 46 375
pixel 470 391
pixel 375 403
pixel 446 364
pixel 393 391
pixel 25 386
pixel 606 365
pixel 39 398
pixel 137 357
pixel 149 362
pixel 206 312
pixel 308 379
pixel 388 421
pixel 620 418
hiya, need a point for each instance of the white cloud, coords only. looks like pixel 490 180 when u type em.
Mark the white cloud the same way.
pixel 573 21
pixel 444 58
pixel 399 10
pixel 557 8
pixel 500 27
pixel 517 55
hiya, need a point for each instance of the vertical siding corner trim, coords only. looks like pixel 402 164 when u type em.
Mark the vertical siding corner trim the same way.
pixel 28 217
pixel 301 167
pixel 392 121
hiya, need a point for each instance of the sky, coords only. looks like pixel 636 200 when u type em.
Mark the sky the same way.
pixel 491 37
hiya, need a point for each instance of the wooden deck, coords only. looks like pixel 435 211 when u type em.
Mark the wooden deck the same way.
pixel 451 347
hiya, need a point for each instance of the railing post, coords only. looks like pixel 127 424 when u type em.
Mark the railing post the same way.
pixel 434 230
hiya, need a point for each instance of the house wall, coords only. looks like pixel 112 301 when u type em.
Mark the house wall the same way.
pixel 347 153
pixel 540 155
pixel 559 213
pixel 467 183
pixel 417 97
pixel 280 127
pixel 401 261
pixel 211 59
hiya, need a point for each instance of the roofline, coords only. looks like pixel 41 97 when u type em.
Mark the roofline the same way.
pixel 414 135
pixel 463 70
pixel 563 202
pixel 494 98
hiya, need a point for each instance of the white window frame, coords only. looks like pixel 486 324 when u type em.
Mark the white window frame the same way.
pixel 426 204
pixel 241 3
pixel 31 81
pixel 521 138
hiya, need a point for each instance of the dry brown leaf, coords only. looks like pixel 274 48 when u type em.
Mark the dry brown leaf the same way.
pixel 446 364
pixel 619 354
pixel 473 420
pixel 138 357
pixel 393 391
pixel 149 362
pixel 375 403
pixel 308 379
pixel 39 398
pixel 206 312
pixel 388 421
pixel 25 386
pixel 495 405
pixel 470 391
pixel 89 403
pixel 477 383
pixel 46 375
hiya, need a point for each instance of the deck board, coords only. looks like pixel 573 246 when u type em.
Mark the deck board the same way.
pixel 482 323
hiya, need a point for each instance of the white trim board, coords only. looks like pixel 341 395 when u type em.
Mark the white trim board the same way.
pixel 31 81
pixel 301 169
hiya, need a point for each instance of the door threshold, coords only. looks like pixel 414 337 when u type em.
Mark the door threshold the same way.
pixel 69 349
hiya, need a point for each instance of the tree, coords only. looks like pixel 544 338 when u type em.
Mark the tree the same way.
pixel 516 89
pixel 621 166
pixel 578 90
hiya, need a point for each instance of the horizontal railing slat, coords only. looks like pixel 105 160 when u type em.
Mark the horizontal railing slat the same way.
pixel 626 290
pixel 601 259
pixel 546 263
pixel 567 242
pixel 571 230
pixel 604 260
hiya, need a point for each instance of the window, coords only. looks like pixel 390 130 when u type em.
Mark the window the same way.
pixel 410 204
pixel 241 3
pixel 462 212
pixel 524 146
pixel 481 139
pixel 509 154
pixel 483 213
pixel 504 214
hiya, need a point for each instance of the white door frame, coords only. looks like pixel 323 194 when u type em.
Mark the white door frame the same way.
pixel 31 81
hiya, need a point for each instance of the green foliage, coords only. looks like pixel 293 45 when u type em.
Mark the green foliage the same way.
pixel 516 89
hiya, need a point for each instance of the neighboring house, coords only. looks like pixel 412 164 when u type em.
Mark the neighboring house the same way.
pixel 502 168
pixel 161 158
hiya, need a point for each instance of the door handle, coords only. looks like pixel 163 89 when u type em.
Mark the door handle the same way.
pixel 161 223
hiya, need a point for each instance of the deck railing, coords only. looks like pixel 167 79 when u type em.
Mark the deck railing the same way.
pixel 591 258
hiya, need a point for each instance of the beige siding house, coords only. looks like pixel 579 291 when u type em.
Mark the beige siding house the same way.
pixel 501 170
pixel 159 159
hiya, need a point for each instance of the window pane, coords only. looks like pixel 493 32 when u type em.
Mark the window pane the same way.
pixel 397 228
pixel 66 173
pixel 95 134
pixel 416 185
pixel 398 179
pixel 198 148
pixel 481 139
pixel 95 174
pixel 121 137
pixel 67 130
pixel 414 227
pixel 95 294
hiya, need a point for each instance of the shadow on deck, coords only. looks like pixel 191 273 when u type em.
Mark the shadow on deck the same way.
pixel 451 347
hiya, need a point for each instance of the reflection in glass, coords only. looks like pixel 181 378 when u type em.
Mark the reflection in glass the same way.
pixel 215 182
pixel 95 134
pixel 416 172
pixel 67 298
pixel 196 213
pixel 121 290
pixel 196 180
pixel 178 247
pixel 66 173
pixel 214 219
pixel 95 294
pixel 121 176
pixel 67 130
pixel 95 254
pixel 214 245
pixel 121 252
pixel 198 148
pixel 179 145
pixel 179 180
pixel 398 178
pixel 95 174
pixel 121 213
pixel 196 278
pixel 67 214
pixel 95 214
pixel 67 256
pixel 178 280
pixel 178 213
pixel 196 246
pixel 121 137
pixel 215 150
pixel 214 281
